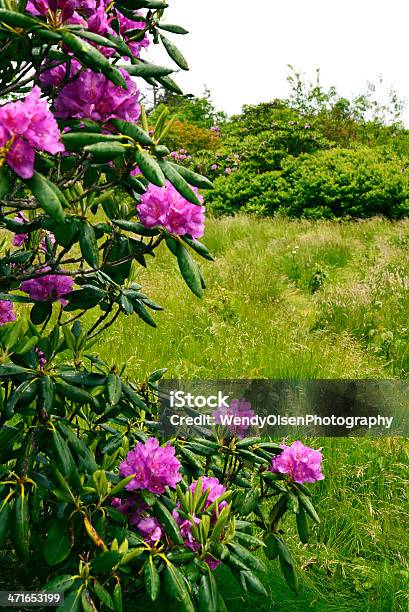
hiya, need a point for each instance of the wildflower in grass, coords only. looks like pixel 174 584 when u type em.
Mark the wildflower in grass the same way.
pixel 48 288
pixel 154 466
pixel 6 312
pixel 236 417
pixel 301 463
pixel 93 96
pixel 27 125
pixel 164 206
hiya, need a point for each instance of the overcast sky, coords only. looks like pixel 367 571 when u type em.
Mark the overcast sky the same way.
pixel 240 49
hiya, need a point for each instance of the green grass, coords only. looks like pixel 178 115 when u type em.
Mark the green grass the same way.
pixel 284 300
pixel 301 300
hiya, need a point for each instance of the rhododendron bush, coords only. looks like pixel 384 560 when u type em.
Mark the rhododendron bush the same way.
pixel 94 502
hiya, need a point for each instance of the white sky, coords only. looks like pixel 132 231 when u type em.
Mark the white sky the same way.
pixel 240 49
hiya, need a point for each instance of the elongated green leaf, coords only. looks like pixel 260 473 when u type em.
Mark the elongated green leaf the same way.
pixel 47 195
pixel 174 53
pixel 151 578
pixel 114 389
pixel 59 584
pixel 91 57
pixel 307 503
pixel 193 178
pixel 146 70
pixel 72 602
pixel 5 516
pixel 133 131
pixel 21 528
pixel 103 595
pixel 208 594
pixel 150 168
pixel 179 183
pixel 169 84
pixel 289 574
pixel 174 29
pixel 105 151
pixel 105 561
pixel 74 141
pixel 4 182
pixel 177 589
pixel 187 266
pixel 18 20
pixel 169 523
pixel 57 546
pixel 89 245
pixel 136 228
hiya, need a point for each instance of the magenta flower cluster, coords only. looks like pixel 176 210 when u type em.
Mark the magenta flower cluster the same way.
pixel 48 288
pixel 27 125
pixel 6 312
pixel 165 207
pixel 93 96
pixel 235 417
pixel 301 463
pixel 155 467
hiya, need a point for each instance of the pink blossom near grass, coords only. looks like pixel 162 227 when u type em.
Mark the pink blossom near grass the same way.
pixel 48 288
pixel 92 96
pixel 238 409
pixel 164 206
pixel 6 312
pixel 25 126
pixel 155 467
pixel 301 463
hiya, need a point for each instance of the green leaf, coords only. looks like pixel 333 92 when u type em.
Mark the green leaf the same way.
pixel 271 549
pixel 40 312
pixel 169 84
pixel 11 369
pixel 187 266
pixel 289 574
pixel 169 523
pixel 198 247
pixel 118 598
pixel 20 527
pixel 174 53
pixel 103 595
pixel 247 557
pixel 150 168
pixel 59 584
pixel 198 180
pixel 86 601
pixel 174 29
pixel 136 228
pixel 4 182
pixel 249 502
pixel 11 297
pixel 121 485
pixel 72 602
pixel 151 579
pixel 208 594
pixel 179 182
pixel 57 546
pixel 89 245
pixel 306 502
pixel 91 57
pixel 64 458
pixel 114 389
pixel 177 589
pixel 133 131
pixel 48 196
pixel 105 561
pixel 74 141
pixel 302 525
pixel 145 70
pixel 253 583
pixel 5 516
pixel 106 151
pixel 278 510
pixel 17 20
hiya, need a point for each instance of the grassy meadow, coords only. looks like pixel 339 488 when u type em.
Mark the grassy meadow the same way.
pixel 299 299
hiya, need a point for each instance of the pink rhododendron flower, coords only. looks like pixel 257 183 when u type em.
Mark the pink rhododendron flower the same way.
pixel 300 462
pixel 48 288
pixel 154 466
pixel 54 76
pixel 41 358
pixel 92 96
pixel 164 206
pixel 27 125
pixel 136 512
pixel 6 312
pixel 227 415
